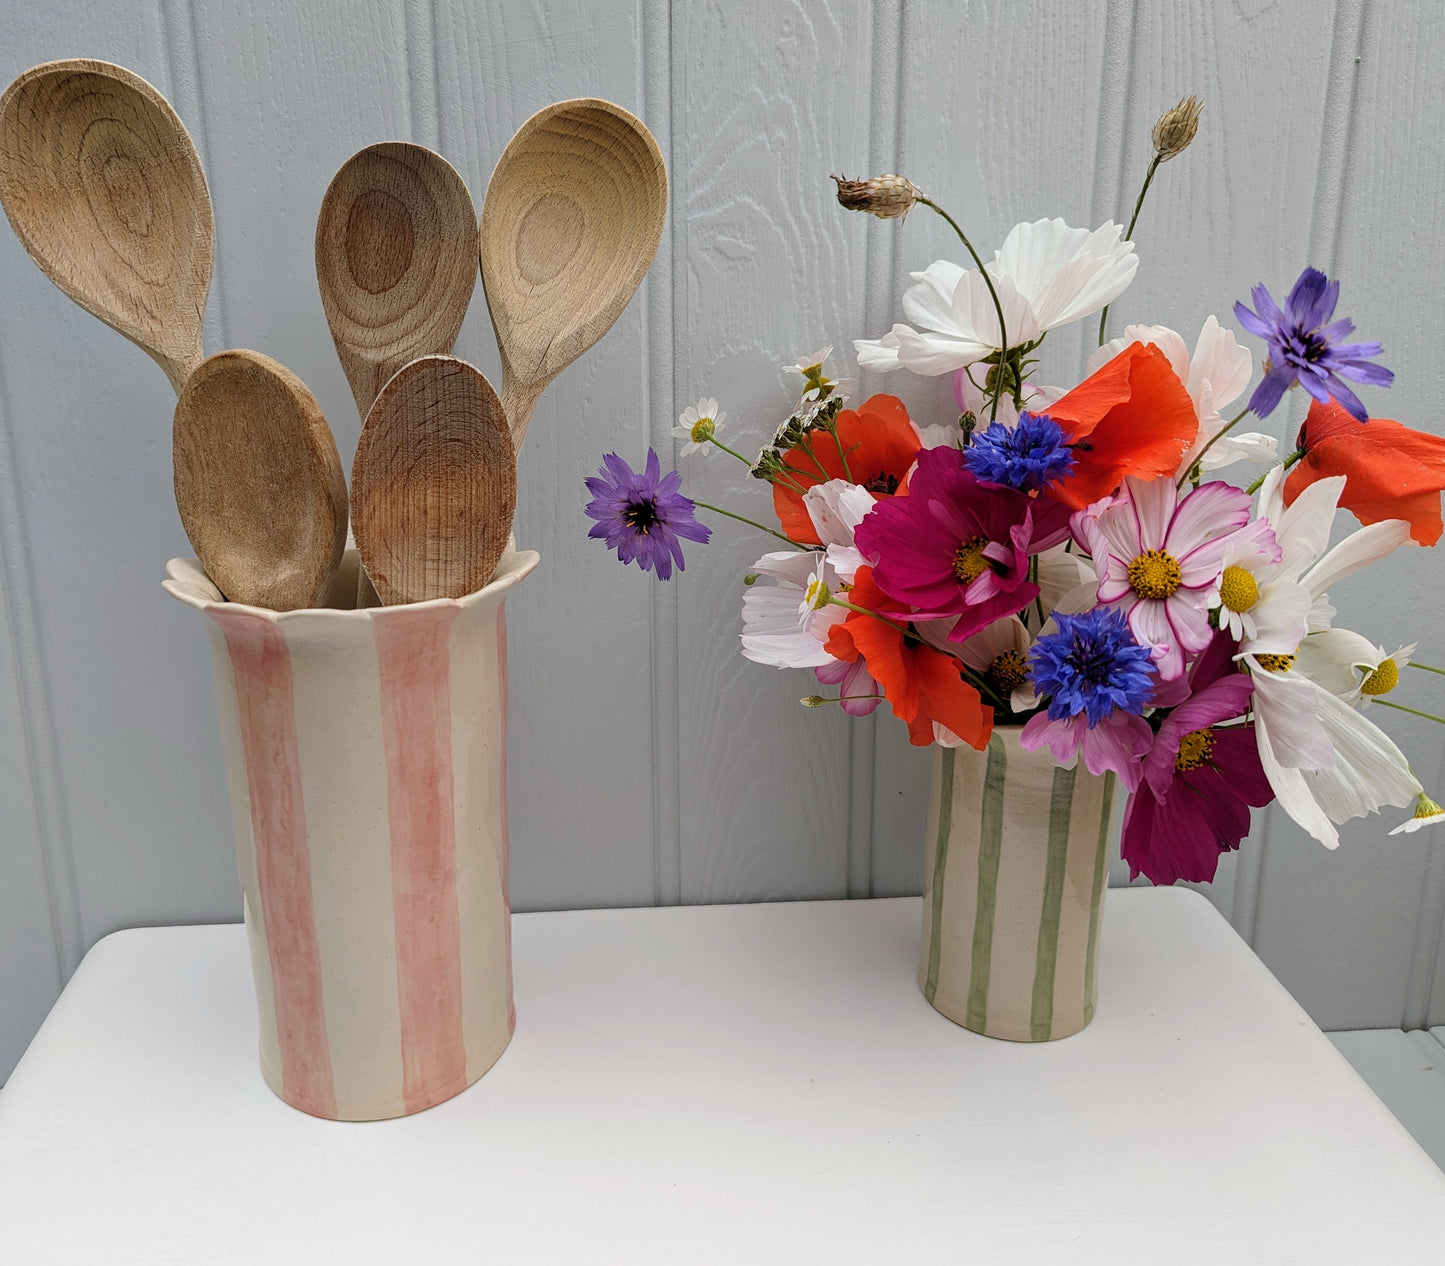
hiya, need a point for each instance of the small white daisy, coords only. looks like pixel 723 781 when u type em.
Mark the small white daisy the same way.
pixel 698 425
pixel 1351 666
pixel 1427 813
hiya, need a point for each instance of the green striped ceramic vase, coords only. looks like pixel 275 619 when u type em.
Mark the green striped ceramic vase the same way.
pixel 1013 890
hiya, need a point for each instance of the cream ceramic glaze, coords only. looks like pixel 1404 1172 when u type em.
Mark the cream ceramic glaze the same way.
pixel 366 756
pixel 1014 877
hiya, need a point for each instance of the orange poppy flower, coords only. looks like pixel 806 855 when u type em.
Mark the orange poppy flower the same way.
pixel 921 684
pixel 1132 417
pixel 1391 472
pixel 881 446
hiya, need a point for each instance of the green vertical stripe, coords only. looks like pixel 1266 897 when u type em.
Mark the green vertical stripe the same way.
pixel 940 859
pixel 990 837
pixel 1041 1017
pixel 1091 959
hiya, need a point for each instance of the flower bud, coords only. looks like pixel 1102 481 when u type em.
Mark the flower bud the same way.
pixel 1176 128
pixel 887 197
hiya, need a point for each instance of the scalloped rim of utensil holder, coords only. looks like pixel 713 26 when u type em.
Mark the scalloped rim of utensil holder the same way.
pixel 366 757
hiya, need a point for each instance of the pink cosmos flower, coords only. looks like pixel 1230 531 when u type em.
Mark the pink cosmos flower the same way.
pixel 1200 779
pixel 958 546
pixel 1159 558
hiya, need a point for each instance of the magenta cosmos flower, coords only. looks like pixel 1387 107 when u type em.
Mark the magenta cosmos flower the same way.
pixel 1158 559
pixel 1200 779
pixel 958 546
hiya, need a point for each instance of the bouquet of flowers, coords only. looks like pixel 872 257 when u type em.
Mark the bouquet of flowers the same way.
pixel 1069 560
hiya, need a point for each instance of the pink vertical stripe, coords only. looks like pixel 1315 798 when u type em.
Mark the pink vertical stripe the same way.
pixel 416 712
pixel 265 701
pixel 506 840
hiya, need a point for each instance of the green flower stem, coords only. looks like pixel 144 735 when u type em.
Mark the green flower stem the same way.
pixel 1129 232
pixel 1427 667
pixel 712 439
pixel 1288 462
pixel 1218 435
pixel 806 444
pixel 1002 367
pixel 980 683
pixel 840 602
pixel 751 523
pixel 817 701
pixel 842 454
pixel 1414 712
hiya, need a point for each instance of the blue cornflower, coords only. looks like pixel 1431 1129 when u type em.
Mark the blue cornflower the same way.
pixel 642 515
pixel 1028 456
pixel 1092 665
pixel 1305 346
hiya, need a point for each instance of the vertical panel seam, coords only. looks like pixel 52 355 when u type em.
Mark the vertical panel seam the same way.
pixel 1429 939
pixel 419 23
pixel 884 110
pixel 658 96
pixel 181 26
pixel 1116 107
pixel 37 713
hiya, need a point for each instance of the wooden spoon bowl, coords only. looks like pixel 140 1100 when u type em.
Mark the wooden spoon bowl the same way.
pixel 104 189
pixel 396 260
pixel 569 227
pixel 259 483
pixel 434 484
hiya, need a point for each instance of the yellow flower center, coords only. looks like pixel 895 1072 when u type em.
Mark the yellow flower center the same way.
pixel 1238 589
pixel 1275 663
pixel 1194 749
pixel 968 559
pixel 1008 671
pixel 702 430
pixel 1425 809
pixel 818 595
pixel 1383 680
pixel 1154 574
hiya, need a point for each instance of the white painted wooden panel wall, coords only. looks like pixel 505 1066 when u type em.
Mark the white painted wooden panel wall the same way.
pixel 650 763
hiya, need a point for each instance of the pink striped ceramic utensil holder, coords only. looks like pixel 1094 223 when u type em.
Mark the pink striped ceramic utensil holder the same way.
pixel 366 755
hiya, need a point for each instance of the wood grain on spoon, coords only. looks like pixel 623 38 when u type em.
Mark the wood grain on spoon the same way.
pixel 434 485
pixel 103 187
pixel 569 227
pixel 259 483
pixel 396 260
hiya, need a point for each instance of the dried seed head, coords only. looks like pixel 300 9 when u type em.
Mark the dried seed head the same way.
pixel 887 197
pixel 1176 128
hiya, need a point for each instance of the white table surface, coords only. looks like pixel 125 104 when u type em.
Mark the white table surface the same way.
pixel 739 1084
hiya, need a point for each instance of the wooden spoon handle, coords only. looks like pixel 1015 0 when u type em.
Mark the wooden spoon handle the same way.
pixel 518 400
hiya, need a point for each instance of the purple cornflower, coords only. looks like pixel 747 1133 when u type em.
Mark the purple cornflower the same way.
pixel 1029 456
pixel 1305 347
pixel 642 516
pixel 1092 665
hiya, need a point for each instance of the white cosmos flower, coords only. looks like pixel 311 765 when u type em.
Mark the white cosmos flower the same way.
pixel 1046 275
pixel 1215 377
pixel 1259 595
pixel 785 624
pixel 1325 762
pixel 1350 666
pixel 998 653
pixel 1366 771
pixel 697 425
pixel 836 509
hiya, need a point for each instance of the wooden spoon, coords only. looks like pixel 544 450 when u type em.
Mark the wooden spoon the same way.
pixel 396 259
pixel 103 187
pixel 570 224
pixel 259 483
pixel 434 484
